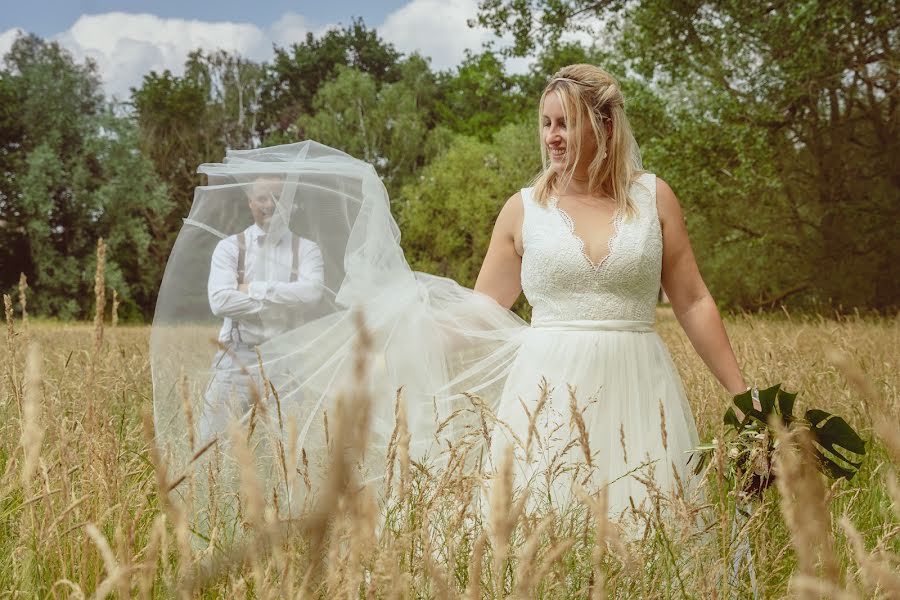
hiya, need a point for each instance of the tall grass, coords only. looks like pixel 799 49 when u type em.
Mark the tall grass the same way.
pixel 85 507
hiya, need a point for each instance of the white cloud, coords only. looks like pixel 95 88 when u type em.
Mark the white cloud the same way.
pixel 435 28
pixel 127 46
pixel 291 28
pixel 7 38
pixel 439 29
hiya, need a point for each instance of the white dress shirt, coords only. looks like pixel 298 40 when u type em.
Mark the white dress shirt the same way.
pixel 273 303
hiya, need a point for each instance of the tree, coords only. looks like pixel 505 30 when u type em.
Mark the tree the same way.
pixel 73 176
pixel 233 86
pixel 14 256
pixel 296 74
pixel 479 97
pixel 784 158
pixel 48 203
pixel 380 125
pixel 179 129
pixel 447 215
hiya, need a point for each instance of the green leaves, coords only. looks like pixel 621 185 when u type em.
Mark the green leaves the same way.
pixel 749 443
pixel 832 436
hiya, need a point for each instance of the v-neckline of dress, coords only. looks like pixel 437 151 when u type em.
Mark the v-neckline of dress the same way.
pixel 570 226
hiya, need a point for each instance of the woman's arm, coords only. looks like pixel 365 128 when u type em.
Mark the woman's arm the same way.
pixel 692 303
pixel 501 272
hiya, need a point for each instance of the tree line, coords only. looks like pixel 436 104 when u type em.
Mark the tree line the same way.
pixel 775 123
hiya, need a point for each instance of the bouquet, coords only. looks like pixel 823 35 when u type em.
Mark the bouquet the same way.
pixel 749 443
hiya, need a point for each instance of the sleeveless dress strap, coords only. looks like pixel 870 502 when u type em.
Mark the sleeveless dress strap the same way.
pixel 528 206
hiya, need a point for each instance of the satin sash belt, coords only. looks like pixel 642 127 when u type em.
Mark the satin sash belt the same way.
pixel 595 325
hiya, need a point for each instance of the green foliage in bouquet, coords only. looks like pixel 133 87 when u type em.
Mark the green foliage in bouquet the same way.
pixel 749 443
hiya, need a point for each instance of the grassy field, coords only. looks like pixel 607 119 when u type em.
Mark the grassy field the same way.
pixel 81 513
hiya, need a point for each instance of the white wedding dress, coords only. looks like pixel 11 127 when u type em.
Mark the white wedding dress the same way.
pixel 592 329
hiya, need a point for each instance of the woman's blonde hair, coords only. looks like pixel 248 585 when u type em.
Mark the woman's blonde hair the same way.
pixel 590 97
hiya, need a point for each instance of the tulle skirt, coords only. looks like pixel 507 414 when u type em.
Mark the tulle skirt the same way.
pixel 595 404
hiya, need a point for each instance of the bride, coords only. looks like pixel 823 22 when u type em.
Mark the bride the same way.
pixel 590 244
pixel 584 394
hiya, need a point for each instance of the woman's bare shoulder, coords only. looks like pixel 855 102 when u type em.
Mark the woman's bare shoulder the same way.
pixel 667 204
pixel 512 212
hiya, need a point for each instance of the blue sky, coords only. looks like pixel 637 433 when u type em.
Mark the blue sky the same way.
pixel 128 39
pixel 48 17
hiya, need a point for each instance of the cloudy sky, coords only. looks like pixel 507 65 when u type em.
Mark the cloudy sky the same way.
pixel 128 38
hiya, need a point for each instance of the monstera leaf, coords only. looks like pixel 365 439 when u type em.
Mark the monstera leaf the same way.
pixel 833 438
pixel 832 435
pixel 772 400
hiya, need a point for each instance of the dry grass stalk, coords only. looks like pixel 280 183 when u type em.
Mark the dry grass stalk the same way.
pixel 10 331
pixel 183 477
pixel 662 426
pixel 186 404
pixel 884 421
pixel 504 514
pixel 533 417
pixel 150 556
pixel 252 500
pixel 622 443
pixel 526 573
pixel 804 503
pixel 114 315
pixel 813 587
pixel 290 465
pixel 879 572
pixel 403 439
pixel 473 587
pixel 501 506
pixel 578 418
pixel 893 489
pixel 437 576
pixel 99 296
pixel 603 534
pixel 391 456
pixel 352 421
pixel 173 511
pixel 32 429
pixel 114 572
pixel 23 298
pixel 486 414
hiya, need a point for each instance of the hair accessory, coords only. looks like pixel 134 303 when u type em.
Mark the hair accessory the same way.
pixel 569 80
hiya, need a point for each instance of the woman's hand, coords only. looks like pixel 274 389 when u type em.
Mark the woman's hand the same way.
pixel 756 404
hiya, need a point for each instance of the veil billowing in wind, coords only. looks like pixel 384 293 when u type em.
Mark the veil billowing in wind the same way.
pixel 324 246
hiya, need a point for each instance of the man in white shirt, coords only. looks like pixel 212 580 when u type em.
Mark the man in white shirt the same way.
pixel 260 286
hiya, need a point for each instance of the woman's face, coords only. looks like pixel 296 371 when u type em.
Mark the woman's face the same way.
pixel 557 136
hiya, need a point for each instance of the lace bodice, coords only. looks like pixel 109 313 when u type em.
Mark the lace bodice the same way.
pixel 562 284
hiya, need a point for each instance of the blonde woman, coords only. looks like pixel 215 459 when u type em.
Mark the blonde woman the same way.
pixel 590 244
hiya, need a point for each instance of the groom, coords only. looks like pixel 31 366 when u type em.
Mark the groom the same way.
pixel 260 281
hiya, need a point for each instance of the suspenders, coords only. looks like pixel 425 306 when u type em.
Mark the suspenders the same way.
pixel 241 268
pixel 295 257
pixel 242 257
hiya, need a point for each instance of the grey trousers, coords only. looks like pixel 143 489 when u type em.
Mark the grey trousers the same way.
pixel 232 388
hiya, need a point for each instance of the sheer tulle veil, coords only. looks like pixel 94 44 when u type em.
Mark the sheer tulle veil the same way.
pixel 429 335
